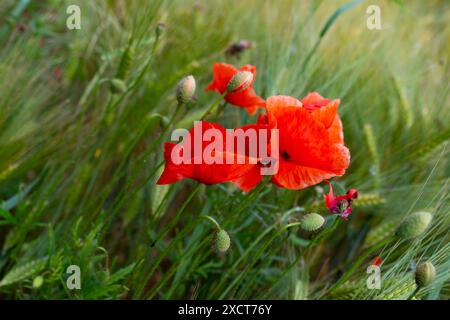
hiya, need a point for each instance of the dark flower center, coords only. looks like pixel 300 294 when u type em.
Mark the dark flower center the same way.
pixel 285 155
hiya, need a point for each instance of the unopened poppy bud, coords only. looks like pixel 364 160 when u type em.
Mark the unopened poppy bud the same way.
pixel 37 282
pixel 222 241
pixel 312 222
pixel 240 81
pixel 164 121
pixel 425 274
pixel 160 28
pixel 185 89
pixel 155 119
pixel 352 194
pixel 118 86
pixel 414 225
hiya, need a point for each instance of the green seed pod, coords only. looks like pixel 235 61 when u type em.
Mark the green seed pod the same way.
pixel 118 86
pixel 185 89
pixel 414 225
pixel 425 274
pixel 222 241
pixel 240 81
pixel 312 222
pixel 37 282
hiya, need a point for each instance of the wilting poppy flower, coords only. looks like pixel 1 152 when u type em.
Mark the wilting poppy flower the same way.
pixel 311 146
pixel 222 74
pixel 203 156
pixel 340 205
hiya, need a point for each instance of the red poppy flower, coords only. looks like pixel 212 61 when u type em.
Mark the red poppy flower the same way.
pixel 311 145
pixel 340 205
pixel 253 177
pixel 222 74
pixel 187 159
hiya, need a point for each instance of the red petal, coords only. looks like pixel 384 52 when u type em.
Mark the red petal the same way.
pixel 308 153
pixel 206 173
pixel 305 140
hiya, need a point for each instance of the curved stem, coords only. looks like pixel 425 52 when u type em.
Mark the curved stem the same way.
pixel 212 220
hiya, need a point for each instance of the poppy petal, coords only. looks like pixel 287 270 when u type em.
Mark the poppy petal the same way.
pixel 296 177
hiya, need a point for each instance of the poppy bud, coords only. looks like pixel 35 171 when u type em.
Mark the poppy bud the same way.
pixel 312 222
pixel 240 81
pixel 164 121
pixel 222 241
pixel 37 282
pixel 185 89
pixel 118 86
pixel 425 274
pixel 414 225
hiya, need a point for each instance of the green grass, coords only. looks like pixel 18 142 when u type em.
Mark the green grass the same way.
pixel 78 164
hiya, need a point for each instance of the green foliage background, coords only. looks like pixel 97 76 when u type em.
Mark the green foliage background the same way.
pixel 78 164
